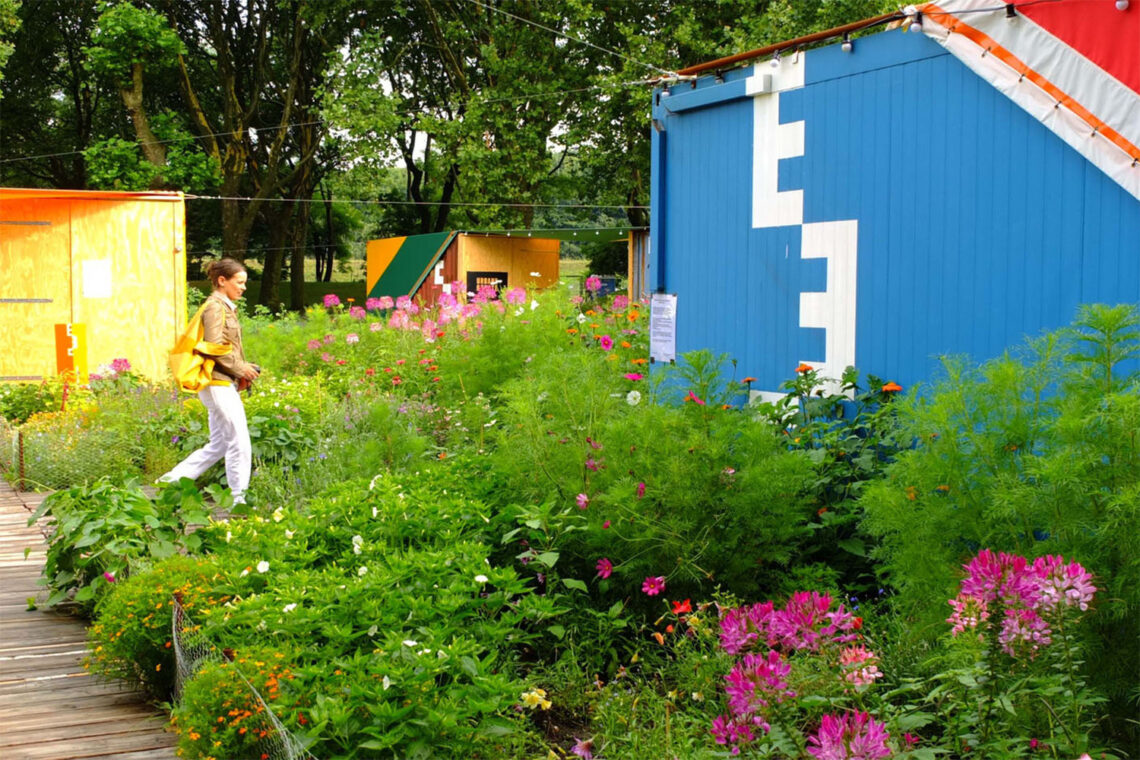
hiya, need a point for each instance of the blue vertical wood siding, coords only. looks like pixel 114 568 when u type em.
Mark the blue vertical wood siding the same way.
pixel 977 226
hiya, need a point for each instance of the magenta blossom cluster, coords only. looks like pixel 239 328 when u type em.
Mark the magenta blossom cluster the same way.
pixel 1027 595
pixel 756 682
pixel 805 622
pixel 850 736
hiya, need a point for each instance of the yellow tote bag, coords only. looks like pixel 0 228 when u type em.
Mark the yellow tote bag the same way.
pixel 192 359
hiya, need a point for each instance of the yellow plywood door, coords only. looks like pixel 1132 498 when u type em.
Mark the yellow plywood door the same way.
pixel 125 257
pixel 35 285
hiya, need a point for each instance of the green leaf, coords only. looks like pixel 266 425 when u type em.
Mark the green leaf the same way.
pixel 548 558
pixel 533 523
pixel 854 546
pixel 574 583
pixel 557 631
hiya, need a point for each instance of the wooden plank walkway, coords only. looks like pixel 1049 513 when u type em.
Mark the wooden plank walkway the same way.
pixel 50 708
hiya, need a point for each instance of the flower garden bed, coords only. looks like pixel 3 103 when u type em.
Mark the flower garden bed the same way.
pixel 486 530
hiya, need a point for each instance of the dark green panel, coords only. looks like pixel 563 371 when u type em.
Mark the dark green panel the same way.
pixel 415 257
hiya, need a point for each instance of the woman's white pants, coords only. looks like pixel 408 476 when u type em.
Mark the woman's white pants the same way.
pixel 229 438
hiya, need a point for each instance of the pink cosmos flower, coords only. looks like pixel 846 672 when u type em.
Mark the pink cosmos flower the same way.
pixel 582 501
pixel 331 300
pixel 109 576
pixel 641 489
pixel 851 736
pixel 693 397
pixel 635 376
pixel 592 464
pixel 606 342
pixel 605 568
pixel 653 585
pixel 606 525
pixel 583 748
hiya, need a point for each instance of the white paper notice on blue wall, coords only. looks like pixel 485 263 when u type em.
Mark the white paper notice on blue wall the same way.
pixel 663 327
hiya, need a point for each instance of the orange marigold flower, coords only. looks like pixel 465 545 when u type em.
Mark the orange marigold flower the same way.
pixel 626 344
pixel 911 493
pixel 633 316
pixel 659 637
pixel 748 380
pixel 572 330
pixel 804 368
pixel 943 488
pixel 892 387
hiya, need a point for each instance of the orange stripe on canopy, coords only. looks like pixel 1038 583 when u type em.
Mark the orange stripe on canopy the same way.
pixel 956 26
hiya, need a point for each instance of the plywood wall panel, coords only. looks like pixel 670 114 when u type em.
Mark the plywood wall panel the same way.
pixel 140 317
pixel 34 264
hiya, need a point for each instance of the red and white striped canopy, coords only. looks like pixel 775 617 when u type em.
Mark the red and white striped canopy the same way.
pixel 1072 64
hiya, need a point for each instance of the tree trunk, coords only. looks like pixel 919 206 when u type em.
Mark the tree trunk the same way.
pixel 297 261
pixel 278 223
pixel 154 151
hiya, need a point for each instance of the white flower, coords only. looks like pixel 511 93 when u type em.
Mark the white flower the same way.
pixel 581 317
pixel 387 683
pixel 362 571
pixel 229 535
pixel 519 311
pixel 245 572
pixel 289 533
pixel 373 631
pixel 375 511
pixel 481 578
pixel 357 545
pixel 289 607
pixel 633 398
pixel 533 305
pixel 535 274
pixel 411 643
pixel 278 515
pixel 263 566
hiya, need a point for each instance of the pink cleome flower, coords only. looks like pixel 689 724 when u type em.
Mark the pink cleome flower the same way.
pixel 851 736
pixel 583 748
pixel 620 302
pixel 357 312
pixel 861 665
pixel 605 568
pixel 728 730
pixel 653 585
pixel 373 304
pixel 351 338
pixel 743 627
pixel 757 681
pixel 1024 632
pixel 386 302
pixel 313 345
pixel 515 296
pixel 120 365
pixel 582 500
pixel 593 283
pixel 1063 585
pixel 331 300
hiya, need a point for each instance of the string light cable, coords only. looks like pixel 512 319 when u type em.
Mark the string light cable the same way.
pixel 382 202
pixel 664 72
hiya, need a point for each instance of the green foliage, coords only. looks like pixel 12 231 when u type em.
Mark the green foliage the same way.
pixel 19 401
pixel 101 534
pixel 117 164
pixel 1032 453
pixel 126 36
pixel 9 24
pixel 130 637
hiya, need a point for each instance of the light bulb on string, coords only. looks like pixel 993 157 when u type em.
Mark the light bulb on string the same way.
pixel 775 62
pixel 847 45
pixel 916 25
pixel 1121 5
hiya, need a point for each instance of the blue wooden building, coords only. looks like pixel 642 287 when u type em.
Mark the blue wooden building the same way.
pixel 907 196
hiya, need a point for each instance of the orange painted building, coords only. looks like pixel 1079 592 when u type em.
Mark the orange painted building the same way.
pixel 108 266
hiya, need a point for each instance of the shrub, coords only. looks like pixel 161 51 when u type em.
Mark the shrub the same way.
pixel 1031 453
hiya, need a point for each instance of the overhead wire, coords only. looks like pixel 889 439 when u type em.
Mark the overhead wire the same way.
pixel 560 33
pixel 383 202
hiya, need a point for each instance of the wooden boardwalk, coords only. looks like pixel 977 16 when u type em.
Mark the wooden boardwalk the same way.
pixel 50 708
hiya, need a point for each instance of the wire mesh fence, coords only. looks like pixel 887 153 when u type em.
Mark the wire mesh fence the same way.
pixel 194 651
pixel 52 454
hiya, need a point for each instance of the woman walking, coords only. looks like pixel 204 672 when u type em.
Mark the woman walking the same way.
pixel 229 433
